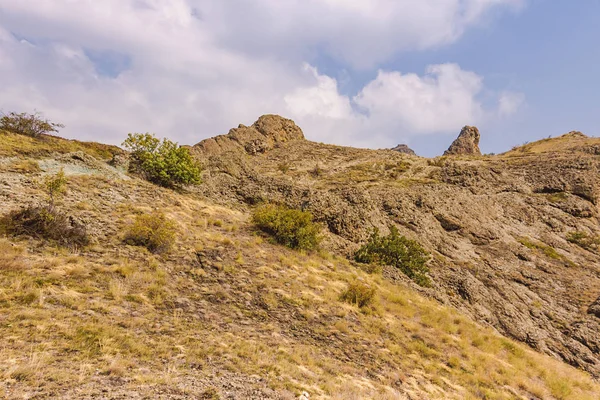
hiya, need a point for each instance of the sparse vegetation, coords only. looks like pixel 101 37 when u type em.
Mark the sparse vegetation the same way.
pixel 46 222
pixel 162 162
pixel 290 227
pixel 398 251
pixel 15 145
pixel 550 252
pixel 284 167
pixel 154 231
pixel 558 197
pixel 358 294
pixel 584 240
pixel 317 171
pixel 33 125
pixel 25 167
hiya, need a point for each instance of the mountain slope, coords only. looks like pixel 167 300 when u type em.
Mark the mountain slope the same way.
pixel 498 226
pixel 227 314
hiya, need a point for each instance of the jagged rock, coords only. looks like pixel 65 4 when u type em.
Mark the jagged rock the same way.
pixel 268 131
pixel 402 148
pixel 466 143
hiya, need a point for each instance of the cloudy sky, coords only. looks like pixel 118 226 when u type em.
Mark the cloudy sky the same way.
pixel 368 73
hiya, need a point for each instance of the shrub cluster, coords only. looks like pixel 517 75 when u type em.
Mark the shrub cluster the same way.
pixel 398 251
pixel 292 228
pixel 46 222
pixel 359 294
pixel 153 231
pixel 162 162
pixel 33 125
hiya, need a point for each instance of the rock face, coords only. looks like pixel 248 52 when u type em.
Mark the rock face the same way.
pixel 263 135
pixel 497 228
pixel 402 148
pixel 466 143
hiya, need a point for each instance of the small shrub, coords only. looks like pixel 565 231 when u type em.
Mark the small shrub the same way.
pixel 56 186
pixel 358 294
pixel 153 231
pixel 317 171
pixel 46 222
pixel 398 251
pixel 162 162
pixel 33 125
pixel 292 228
pixel 284 167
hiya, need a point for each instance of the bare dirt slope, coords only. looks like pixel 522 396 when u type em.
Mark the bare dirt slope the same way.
pixel 498 226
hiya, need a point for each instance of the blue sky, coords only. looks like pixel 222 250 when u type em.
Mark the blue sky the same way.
pixel 363 73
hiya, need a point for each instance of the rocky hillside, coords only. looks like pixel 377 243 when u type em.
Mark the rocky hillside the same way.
pixel 503 229
pixel 229 315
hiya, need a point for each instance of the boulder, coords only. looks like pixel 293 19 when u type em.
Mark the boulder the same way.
pixel 466 143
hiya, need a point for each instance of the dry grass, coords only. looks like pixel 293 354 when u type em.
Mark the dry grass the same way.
pixel 79 322
pixel 562 143
pixel 12 145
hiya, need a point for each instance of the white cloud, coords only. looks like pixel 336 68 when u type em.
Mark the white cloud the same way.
pixel 509 103
pixel 361 32
pixel 198 67
pixel 442 100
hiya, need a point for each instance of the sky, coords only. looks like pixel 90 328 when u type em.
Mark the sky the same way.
pixel 365 73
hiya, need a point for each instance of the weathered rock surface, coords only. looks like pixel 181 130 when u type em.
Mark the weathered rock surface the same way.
pixel 267 132
pixel 496 227
pixel 402 148
pixel 466 143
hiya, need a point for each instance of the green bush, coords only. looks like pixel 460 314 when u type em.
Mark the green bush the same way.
pixel 358 294
pixel 55 186
pixel 162 162
pixel 292 228
pixel 153 231
pixel 398 251
pixel 46 222
pixel 28 124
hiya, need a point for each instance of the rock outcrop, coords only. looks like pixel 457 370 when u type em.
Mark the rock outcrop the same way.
pixel 496 227
pixel 467 143
pixel 267 132
pixel 404 149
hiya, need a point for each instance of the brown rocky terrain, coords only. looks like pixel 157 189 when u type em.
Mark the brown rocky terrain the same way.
pixel 229 315
pixel 498 226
